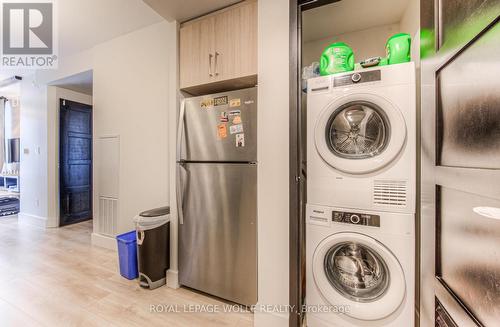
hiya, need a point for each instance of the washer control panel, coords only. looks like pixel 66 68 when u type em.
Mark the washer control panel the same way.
pixel 356 78
pixel 362 219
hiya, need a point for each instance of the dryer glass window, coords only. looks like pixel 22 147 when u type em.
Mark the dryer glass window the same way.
pixel 357 130
pixel 356 271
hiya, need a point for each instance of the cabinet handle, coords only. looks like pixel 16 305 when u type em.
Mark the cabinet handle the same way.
pixel 216 66
pixel 210 56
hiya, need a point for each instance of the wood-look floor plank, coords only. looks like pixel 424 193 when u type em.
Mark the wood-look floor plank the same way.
pixel 54 277
pixel 11 316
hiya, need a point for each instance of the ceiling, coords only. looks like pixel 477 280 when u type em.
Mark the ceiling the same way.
pixel 182 10
pixel 83 24
pixel 15 87
pixel 81 82
pixel 7 73
pixel 349 16
pixel 12 90
pixel 86 23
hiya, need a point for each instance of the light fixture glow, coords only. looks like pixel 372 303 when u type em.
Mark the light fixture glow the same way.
pixel 488 212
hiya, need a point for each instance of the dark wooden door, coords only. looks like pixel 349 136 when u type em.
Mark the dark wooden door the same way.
pixel 460 217
pixel 75 157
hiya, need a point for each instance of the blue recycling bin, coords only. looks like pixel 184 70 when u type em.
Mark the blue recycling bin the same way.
pixel 127 255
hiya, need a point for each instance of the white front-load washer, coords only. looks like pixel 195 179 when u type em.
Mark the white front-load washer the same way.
pixel 360 268
pixel 361 139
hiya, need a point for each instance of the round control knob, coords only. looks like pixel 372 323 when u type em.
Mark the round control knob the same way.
pixel 356 77
pixel 355 219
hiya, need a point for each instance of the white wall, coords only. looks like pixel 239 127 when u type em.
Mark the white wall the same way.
pixel 67 66
pixel 365 43
pixel 33 168
pixel 273 158
pixel 410 23
pixel 370 42
pixel 38 125
pixel 131 99
pixel 12 116
pixel 173 108
pixel 54 94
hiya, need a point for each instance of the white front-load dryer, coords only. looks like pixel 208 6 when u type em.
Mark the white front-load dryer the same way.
pixel 361 139
pixel 360 268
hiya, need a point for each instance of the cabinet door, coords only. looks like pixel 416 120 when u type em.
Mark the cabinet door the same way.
pixel 236 41
pixel 196 52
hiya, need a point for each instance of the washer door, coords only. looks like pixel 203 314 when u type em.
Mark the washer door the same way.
pixel 355 270
pixel 360 133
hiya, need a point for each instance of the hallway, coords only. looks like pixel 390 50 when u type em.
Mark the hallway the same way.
pixel 54 277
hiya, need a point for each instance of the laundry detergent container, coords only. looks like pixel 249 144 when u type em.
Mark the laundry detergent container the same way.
pixel 153 246
pixel 336 58
pixel 398 48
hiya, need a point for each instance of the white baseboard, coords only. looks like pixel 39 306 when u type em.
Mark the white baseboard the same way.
pixel 33 220
pixel 173 279
pixel 269 319
pixel 53 222
pixel 104 241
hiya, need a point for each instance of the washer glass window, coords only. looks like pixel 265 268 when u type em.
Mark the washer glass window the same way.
pixel 356 271
pixel 358 130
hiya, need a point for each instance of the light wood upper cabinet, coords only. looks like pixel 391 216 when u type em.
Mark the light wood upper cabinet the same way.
pixel 236 42
pixel 220 49
pixel 196 52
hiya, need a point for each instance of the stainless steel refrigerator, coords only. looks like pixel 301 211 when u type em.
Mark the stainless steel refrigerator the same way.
pixel 217 194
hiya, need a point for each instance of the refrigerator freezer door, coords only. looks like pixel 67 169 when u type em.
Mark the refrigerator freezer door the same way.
pixel 218 240
pixel 220 127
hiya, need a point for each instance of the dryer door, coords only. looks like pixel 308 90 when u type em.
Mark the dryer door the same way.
pixel 360 133
pixel 357 271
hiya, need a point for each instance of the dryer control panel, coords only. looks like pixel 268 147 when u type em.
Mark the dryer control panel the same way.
pixel 356 218
pixel 356 78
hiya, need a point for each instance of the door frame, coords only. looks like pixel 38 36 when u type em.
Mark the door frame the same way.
pixel 61 102
pixel 297 181
pixel 296 232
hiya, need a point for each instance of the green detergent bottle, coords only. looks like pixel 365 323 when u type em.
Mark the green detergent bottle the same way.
pixel 336 58
pixel 398 48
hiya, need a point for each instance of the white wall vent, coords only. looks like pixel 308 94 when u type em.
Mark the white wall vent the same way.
pixel 392 193
pixel 108 184
pixel 108 216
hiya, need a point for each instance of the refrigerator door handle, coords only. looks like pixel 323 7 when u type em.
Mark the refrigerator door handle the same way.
pixel 179 189
pixel 180 129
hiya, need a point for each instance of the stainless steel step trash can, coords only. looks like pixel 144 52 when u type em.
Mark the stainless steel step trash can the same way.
pixel 153 246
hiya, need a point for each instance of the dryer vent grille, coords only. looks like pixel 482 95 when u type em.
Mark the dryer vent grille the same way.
pixel 392 193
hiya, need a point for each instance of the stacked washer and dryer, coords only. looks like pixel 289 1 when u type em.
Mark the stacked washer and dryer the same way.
pixel 361 189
